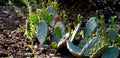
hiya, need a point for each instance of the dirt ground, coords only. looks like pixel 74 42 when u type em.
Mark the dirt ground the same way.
pixel 12 39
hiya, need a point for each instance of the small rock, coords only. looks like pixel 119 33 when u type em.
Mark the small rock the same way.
pixel 51 55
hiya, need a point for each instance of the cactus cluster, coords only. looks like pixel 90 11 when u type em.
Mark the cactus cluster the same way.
pixel 95 41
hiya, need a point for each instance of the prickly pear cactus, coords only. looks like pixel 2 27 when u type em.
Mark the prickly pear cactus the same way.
pixel 52 11
pixel 111 52
pixel 112 34
pixel 42 32
pixel 90 44
pixel 91 26
pixel 73 48
pixel 58 32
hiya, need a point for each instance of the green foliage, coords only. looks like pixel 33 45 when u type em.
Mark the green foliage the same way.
pixel 77 29
pixel 26 2
pixel 34 19
pixel 58 31
pixel 4 1
pixel 65 18
pixel 117 39
pixel 46 16
pixel 112 21
pixel 31 25
pixel 54 45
